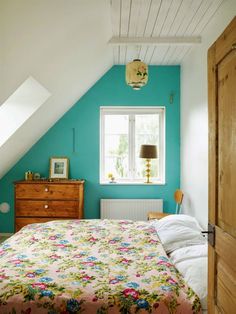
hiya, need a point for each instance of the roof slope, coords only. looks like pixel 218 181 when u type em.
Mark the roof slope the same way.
pixel 60 43
pixel 64 45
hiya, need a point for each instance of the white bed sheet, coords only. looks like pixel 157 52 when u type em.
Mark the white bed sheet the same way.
pixel 191 261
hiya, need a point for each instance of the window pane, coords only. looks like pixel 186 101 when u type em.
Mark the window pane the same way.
pixel 116 124
pixel 116 145
pixel 146 132
pixel 124 130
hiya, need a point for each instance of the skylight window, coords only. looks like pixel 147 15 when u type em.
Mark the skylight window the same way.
pixel 27 98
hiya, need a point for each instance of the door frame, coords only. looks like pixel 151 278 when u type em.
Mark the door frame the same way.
pixel 216 53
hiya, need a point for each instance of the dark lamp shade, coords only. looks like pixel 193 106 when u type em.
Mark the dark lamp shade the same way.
pixel 148 151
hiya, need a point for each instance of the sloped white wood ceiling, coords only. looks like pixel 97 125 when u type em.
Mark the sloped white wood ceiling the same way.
pixel 53 41
pixel 150 19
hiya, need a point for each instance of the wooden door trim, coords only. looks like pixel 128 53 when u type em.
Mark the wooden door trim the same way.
pixel 217 52
pixel 213 125
pixel 213 148
pixel 225 42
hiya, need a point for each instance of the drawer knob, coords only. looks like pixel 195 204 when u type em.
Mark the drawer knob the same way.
pixel 46 189
pixel 46 206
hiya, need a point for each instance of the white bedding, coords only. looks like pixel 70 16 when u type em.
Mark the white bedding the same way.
pixel 182 239
pixel 191 262
pixel 176 231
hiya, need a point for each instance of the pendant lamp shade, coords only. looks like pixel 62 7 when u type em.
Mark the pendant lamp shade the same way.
pixel 136 74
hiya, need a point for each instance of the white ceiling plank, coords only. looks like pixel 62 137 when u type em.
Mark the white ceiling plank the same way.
pixel 176 56
pixel 172 13
pixel 122 55
pixel 188 17
pixel 158 31
pixel 198 16
pixel 124 25
pixel 143 17
pixel 183 53
pixel 158 55
pixel 116 55
pixel 125 17
pixel 169 40
pixel 143 52
pixel 166 59
pixel 134 17
pixel 152 17
pixel 207 16
pixel 115 17
pixel 162 16
pixel 180 16
pixel 149 54
pixel 172 57
pixel 132 53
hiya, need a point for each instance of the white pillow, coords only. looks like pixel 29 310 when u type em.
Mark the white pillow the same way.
pixel 191 262
pixel 176 231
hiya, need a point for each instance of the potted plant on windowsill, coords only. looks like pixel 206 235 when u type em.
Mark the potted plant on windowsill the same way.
pixel 111 178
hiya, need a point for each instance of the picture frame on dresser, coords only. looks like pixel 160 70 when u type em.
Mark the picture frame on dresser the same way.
pixel 59 168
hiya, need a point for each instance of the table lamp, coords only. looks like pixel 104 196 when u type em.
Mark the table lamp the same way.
pixel 148 152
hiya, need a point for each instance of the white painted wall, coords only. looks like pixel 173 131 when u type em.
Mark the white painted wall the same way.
pixel 63 45
pixel 194 117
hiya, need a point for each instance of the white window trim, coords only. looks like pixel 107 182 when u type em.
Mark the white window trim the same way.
pixel 162 149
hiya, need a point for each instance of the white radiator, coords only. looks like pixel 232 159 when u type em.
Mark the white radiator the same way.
pixel 133 209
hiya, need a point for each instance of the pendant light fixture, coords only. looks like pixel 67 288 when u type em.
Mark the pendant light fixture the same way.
pixel 136 74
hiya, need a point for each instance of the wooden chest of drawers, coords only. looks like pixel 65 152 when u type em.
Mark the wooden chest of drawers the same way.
pixel 41 201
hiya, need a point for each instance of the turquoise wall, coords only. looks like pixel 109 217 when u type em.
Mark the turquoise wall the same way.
pixel 84 158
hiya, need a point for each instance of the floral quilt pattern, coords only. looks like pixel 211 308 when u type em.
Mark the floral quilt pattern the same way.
pixel 90 266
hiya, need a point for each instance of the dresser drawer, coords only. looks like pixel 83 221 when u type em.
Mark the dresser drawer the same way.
pixel 21 222
pixel 47 191
pixel 42 201
pixel 47 208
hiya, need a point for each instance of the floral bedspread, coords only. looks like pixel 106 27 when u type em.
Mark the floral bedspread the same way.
pixel 90 266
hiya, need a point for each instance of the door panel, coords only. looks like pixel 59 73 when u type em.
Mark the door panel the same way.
pixel 222 172
pixel 226 271
pixel 227 142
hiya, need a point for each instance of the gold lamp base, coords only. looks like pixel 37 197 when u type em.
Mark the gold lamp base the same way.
pixel 148 170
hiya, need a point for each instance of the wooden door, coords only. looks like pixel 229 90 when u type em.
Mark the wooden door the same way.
pixel 222 172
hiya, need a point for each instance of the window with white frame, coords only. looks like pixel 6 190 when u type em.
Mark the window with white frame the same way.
pixel 122 131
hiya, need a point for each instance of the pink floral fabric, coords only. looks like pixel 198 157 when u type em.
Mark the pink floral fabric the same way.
pixel 90 266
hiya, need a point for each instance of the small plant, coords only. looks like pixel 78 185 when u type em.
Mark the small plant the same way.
pixel 111 177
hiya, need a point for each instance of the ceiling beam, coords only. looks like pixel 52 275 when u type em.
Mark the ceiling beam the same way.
pixel 155 41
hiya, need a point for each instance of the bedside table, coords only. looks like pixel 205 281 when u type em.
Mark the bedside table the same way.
pixel 156 215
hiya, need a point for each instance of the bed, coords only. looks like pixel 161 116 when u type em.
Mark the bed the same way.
pixel 91 266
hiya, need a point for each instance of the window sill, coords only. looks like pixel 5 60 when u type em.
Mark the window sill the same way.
pixel 132 183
